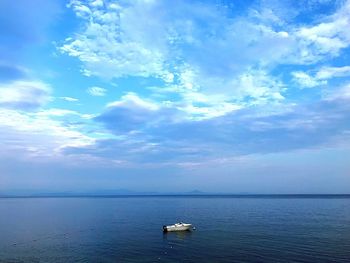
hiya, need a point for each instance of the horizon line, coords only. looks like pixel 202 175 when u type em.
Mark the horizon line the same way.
pixel 63 195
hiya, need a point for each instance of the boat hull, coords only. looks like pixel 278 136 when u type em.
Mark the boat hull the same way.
pixel 178 227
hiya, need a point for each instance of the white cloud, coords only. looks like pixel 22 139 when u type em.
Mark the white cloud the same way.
pixel 332 72
pixel 132 113
pixel 36 134
pixel 153 135
pixel 321 77
pixel 118 39
pixel 325 39
pixel 132 100
pixel 214 69
pixel 97 91
pixel 119 42
pixel 339 94
pixel 24 95
pixel 62 112
pixel 208 112
pixel 56 112
pixel 305 80
pixel 70 99
pixel 109 50
pixel 249 87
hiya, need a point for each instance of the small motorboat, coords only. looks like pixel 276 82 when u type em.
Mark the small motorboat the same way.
pixel 178 227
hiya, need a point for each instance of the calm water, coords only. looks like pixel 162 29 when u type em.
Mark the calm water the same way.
pixel 128 229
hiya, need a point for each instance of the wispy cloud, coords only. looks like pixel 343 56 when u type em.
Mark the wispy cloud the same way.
pixel 327 38
pixel 96 91
pixel 321 77
pixel 11 72
pixel 131 113
pixel 305 80
pixel 333 72
pixel 202 58
pixel 24 95
pixel 32 135
pixel 212 76
pixel 165 134
pixel 70 99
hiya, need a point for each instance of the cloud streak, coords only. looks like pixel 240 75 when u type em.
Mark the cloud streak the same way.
pixel 97 91
pixel 24 95
pixel 149 134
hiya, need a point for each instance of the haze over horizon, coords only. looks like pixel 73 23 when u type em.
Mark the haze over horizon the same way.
pixel 175 96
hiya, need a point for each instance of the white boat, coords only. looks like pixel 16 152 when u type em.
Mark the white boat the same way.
pixel 178 227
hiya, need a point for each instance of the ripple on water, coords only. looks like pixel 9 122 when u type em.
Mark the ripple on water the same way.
pixel 129 230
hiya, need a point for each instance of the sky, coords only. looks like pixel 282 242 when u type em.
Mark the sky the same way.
pixel 174 96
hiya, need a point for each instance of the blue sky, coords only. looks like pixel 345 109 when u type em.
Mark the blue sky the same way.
pixel 147 95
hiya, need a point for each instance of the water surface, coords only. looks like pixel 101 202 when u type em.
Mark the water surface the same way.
pixel 128 229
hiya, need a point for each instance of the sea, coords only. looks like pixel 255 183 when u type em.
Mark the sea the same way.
pixel 229 228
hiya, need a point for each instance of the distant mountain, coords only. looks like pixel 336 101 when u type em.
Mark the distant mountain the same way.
pixel 105 192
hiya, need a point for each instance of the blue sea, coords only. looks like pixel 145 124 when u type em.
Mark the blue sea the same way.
pixel 129 229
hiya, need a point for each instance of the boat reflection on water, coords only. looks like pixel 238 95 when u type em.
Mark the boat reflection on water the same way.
pixel 177 234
